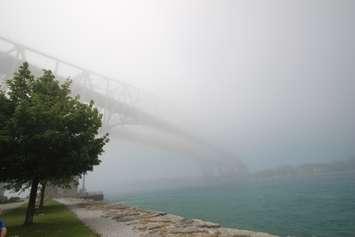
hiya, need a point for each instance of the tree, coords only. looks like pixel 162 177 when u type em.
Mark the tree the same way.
pixel 46 134
pixel 43 193
pixel 65 182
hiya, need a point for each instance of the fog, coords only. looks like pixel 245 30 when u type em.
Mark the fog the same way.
pixel 270 82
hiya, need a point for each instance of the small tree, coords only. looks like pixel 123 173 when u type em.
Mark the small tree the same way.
pixel 46 133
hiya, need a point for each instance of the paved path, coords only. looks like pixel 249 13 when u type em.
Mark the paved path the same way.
pixel 12 205
pixel 96 220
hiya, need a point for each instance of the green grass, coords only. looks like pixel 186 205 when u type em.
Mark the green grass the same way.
pixel 55 220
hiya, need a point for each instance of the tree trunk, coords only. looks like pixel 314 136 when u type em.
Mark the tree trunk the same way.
pixel 43 192
pixel 32 202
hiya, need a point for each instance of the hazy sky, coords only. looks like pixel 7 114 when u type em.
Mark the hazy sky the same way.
pixel 272 81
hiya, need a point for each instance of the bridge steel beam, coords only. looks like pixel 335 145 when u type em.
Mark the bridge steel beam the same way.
pixel 120 103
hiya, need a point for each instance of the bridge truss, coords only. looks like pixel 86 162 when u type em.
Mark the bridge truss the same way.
pixel 121 104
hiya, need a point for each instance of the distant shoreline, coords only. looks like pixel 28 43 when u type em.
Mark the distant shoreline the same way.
pixel 311 169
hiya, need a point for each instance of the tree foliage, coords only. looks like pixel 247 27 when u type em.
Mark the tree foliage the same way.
pixel 45 133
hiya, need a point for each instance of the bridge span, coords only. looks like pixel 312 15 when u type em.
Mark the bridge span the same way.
pixel 126 109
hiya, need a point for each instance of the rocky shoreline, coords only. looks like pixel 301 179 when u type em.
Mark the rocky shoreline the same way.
pixel 117 219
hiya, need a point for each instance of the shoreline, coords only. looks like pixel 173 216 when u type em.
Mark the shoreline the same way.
pixel 116 219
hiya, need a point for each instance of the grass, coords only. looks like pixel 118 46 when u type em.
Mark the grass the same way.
pixel 54 220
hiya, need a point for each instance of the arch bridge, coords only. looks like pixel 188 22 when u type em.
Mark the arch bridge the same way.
pixel 126 109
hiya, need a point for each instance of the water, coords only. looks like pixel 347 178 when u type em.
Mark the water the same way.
pixel 317 206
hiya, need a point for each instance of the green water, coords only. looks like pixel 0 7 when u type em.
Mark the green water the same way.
pixel 299 206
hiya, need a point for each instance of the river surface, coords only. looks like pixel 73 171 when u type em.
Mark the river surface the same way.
pixel 312 206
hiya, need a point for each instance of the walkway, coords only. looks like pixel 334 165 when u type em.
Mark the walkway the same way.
pixel 97 221
pixel 8 206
